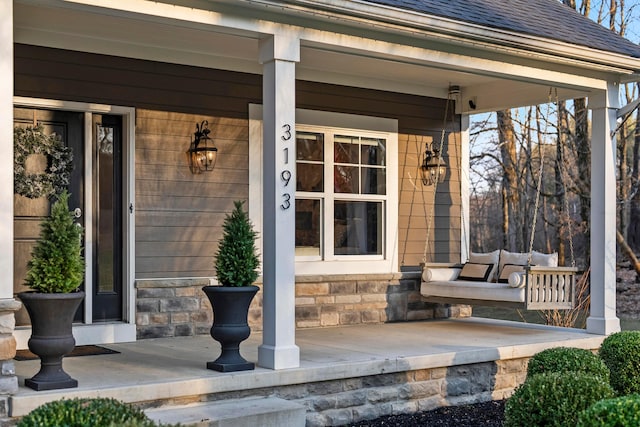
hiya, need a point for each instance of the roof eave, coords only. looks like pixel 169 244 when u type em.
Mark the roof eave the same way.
pixel 386 18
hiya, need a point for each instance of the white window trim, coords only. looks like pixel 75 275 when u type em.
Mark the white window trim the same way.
pixel 366 125
pixel 112 332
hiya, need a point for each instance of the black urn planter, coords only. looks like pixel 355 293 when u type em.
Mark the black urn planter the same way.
pixel 230 306
pixel 51 336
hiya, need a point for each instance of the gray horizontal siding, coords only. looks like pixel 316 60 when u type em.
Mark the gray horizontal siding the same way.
pixel 179 215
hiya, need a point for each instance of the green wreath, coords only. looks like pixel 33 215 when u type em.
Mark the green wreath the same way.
pixel 56 177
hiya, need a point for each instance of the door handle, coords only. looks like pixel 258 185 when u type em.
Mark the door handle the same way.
pixel 77 212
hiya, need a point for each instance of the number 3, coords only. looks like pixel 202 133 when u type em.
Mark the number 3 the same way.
pixel 287 204
pixel 287 132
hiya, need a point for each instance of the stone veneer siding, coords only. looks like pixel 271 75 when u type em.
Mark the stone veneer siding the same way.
pixel 178 307
pixel 8 378
pixel 350 400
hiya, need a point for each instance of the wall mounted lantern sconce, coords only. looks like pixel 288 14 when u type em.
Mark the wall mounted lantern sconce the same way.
pixel 433 168
pixel 202 153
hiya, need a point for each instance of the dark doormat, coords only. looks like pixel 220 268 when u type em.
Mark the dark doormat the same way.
pixel 81 350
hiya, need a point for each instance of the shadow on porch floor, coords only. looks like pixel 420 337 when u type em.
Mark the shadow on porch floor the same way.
pixel 171 370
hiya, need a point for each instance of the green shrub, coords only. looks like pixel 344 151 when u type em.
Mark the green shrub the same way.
pixel 621 411
pixel 98 412
pixel 237 259
pixel 621 353
pixel 554 399
pixel 567 359
pixel 57 265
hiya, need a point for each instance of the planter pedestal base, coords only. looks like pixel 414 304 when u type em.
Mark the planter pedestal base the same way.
pixel 40 385
pixel 230 367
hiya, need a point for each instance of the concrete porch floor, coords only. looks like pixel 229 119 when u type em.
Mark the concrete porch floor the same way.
pixel 172 370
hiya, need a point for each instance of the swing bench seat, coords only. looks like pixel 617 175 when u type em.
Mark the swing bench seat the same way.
pixel 534 288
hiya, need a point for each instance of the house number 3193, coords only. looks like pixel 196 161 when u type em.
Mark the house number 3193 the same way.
pixel 285 174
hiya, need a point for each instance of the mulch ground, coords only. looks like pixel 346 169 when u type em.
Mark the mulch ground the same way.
pixel 487 414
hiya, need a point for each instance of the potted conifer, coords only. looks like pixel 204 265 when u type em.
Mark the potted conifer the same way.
pixel 237 265
pixel 55 272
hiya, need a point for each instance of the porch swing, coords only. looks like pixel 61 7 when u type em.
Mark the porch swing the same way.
pixel 531 281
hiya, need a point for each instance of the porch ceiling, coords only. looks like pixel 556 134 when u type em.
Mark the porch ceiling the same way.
pixel 98 30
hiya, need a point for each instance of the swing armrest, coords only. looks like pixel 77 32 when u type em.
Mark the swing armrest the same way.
pixel 519 278
pixel 440 274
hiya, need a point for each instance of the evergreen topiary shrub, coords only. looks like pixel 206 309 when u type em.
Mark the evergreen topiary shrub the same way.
pixel 554 399
pixel 621 353
pixel 98 412
pixel 237 259
pixel 57 265
pixel 567 359
pixel 621 411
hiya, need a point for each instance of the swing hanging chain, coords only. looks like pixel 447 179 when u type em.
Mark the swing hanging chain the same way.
pixel 535 209
pixel 413 197
pixel 437 177
pixel 539 189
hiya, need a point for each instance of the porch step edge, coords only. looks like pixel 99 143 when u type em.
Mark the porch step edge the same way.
pixel 249 412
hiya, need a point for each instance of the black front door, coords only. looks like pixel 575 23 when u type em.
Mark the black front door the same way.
pixel 69 126
pixel 103 226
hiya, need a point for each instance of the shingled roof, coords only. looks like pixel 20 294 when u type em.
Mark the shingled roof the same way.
pixel 543 18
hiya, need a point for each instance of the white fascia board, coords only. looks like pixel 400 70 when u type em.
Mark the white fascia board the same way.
pixel 447 61
pixel 458 32
pixel 161 12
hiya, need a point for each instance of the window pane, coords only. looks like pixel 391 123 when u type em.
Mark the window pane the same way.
pixel 310 146
pixel 106 226
pixel 357 228
pixel 307 227
pixel 346 179
pixel 309 177
pixel 373 151
pixel 345 149
pixel 374 181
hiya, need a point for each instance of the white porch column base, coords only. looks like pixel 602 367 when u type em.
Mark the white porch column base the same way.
pixel 602 317
pixel 279 55
pixel 279 357
pixel 602 326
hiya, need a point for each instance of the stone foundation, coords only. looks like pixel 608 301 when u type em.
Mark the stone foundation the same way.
pixel 350 400
pixel 170 308
pixel 8 378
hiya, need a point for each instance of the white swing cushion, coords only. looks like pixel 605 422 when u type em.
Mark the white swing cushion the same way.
pixel 444 274
pixel 544 260
pixel 441 282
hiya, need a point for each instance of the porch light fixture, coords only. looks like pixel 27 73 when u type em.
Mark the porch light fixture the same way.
pixel 202 153
pixel 433 168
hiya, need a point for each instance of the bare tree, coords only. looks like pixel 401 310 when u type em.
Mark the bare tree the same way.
pixel 509 191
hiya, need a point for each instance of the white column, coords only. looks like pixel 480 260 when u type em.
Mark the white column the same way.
pixel 279 55
pixel 602 319
pixel 6 149
pixel 465 185
pixel 8 305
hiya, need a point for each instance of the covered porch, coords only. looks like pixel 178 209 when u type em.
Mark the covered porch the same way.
pixel 287 57
pixel 346 374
